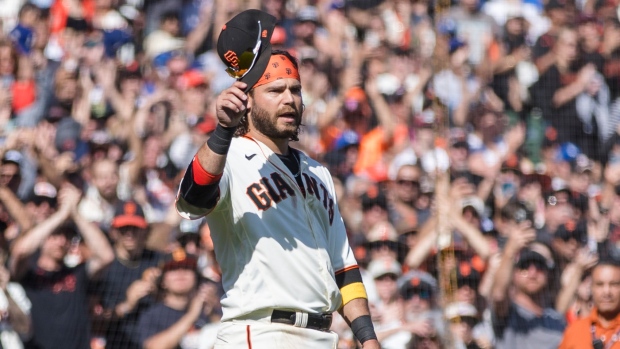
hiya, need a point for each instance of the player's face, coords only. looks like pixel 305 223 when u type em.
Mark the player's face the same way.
pixel 606 289
pixel 276 108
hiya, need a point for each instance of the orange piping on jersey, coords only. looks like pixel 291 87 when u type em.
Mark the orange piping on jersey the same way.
pixel 247 329
pixel 347 269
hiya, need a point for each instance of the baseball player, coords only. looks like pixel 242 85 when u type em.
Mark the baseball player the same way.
pixel 277 232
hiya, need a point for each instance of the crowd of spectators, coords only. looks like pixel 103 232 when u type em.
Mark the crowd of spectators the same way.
pixel 474 145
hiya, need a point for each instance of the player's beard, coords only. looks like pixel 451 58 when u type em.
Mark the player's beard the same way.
pixel 268 125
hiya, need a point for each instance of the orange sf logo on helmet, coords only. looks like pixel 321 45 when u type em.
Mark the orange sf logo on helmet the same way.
pixel 231 57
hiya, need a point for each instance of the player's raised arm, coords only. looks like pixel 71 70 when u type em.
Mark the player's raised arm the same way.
pixel 199 190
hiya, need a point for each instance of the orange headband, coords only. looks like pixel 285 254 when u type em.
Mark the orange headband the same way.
pixel 279 67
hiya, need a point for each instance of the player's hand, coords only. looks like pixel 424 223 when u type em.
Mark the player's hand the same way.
pixel 231 104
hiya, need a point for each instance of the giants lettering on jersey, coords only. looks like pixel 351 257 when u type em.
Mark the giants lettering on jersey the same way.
pixel 275 189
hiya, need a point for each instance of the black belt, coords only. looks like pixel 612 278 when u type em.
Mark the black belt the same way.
pixel 321 322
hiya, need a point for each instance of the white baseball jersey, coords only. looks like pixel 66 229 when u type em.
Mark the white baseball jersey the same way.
pixel 278 245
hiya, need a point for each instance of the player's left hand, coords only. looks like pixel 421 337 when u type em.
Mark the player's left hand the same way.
pixel 371 344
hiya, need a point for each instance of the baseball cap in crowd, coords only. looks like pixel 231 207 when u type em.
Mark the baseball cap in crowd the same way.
pixel 161 60
pixel 347 138
pixel 542 179
pixel 67 135
pixel 582 164
pixel 534 256
pixel 458 138
pixel 567 152
pixel 306 54
pixel 424 119
pixel 573 230
pixel 460 311
pixel 189 232
pixel 129 213
pixel 68 229
pixel 373 197
pixel 162 45
pixel 383 233
pixel 418 283
pixel 474 202
pixel 178 259
pixel 469 272
pixel 114 39
pixel 555 4
pixel 100 139
pixel 130 71
pixel 353 98
pixel 192 79
pixel 244 45
pixel 386 266
pixel 456 44
pixel 307 14
pixel 44 192
pixel 12 157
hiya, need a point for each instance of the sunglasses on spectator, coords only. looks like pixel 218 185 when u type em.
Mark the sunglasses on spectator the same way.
pixel 377 245
pixel 577 236
pixel 525 265
pixel 404 182
pixel 422 293
pixel 129 230
pixel 246 60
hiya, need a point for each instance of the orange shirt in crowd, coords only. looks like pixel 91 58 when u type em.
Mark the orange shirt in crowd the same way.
pixel 59 12
pixel 373 146
pixel 578 334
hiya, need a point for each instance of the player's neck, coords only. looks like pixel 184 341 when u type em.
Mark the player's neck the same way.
pixel 278 146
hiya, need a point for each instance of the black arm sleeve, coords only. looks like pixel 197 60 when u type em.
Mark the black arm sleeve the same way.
pixel 201 196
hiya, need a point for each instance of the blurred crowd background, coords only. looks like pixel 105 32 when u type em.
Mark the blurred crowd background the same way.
pixel 474 146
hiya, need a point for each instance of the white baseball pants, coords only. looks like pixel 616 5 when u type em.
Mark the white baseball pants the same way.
pixel 248 334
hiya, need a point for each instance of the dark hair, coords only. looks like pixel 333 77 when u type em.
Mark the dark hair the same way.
pixel 27 7
pixel 244 125
pixel 607 262
pixel 169 16
pixel 517 211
